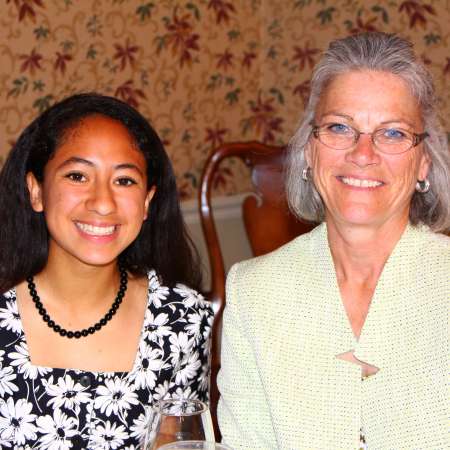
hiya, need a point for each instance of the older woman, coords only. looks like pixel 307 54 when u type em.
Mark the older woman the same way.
pixel 340 339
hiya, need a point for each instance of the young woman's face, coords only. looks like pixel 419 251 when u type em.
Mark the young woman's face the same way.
pixel 94 194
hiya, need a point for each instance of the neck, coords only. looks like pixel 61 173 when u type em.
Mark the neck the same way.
pixel 78 282
pixel 360 252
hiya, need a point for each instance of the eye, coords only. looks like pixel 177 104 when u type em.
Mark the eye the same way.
pixel 125 181
pixel 393 134
pixel 76 176
pixel 338 128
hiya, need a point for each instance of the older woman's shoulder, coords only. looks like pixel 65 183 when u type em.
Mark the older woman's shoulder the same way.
pixel 434 243
pixel 441 241
pixel 294 254
pixel 424 255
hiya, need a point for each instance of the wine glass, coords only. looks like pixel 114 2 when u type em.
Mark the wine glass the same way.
pixel 179 419
pixel 194 445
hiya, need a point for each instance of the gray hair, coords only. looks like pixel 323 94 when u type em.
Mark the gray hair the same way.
pixel 380 52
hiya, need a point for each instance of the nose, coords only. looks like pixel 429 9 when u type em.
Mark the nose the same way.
pixel 364 152
pixel 101 199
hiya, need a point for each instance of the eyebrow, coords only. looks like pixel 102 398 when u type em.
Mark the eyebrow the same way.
pixel 78 160
pixel 332 113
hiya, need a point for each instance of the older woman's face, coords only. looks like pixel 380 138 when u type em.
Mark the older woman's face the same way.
pixel 361 185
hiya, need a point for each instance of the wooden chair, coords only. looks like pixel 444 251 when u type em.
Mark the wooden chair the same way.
pixel 267 219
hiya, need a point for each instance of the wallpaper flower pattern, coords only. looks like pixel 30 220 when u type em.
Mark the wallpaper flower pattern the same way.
pixel 203 71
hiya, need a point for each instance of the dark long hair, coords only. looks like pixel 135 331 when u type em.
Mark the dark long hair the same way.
pixel 162 243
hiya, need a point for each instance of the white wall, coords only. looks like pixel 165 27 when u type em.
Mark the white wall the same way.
pixel 233 239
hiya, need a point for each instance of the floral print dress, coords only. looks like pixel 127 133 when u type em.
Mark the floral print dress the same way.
pixel 58 409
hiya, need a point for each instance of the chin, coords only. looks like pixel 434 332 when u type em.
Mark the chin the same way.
pixel 97 260
pixel 356 216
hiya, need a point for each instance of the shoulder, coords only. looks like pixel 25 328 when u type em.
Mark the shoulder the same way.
pixel 10 323
pixel 261 287
pixel 8 301
pixel 427 245
pixel 281 262
pixel 179 297
pixel 439 241
pixel 423 233
pixel 8 295
pixel 428 260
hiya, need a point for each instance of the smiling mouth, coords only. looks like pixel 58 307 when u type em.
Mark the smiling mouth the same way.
pixel 93 230
pixel 360 183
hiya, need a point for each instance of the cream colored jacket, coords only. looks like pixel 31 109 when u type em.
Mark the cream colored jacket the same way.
pixel 281 383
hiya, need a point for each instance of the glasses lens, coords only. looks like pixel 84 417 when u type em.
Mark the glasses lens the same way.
pixel 339 139
pixel 393 140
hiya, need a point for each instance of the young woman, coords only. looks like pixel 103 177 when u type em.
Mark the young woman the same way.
pixel 97 321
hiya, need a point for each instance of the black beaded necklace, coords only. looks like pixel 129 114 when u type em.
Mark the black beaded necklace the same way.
pixel 86 331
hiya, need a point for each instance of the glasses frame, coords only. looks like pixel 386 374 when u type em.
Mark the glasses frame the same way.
pixel 418 138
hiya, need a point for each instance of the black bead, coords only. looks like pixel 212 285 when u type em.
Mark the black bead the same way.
pixel 91 330
pixel 103 322
pixel 51 323
pixel 77 334
pixel 108 316
pixel 97 326
pixel 84 333
pixel 70 334
pixel 63 332
pixel 57 328
pixel 46 318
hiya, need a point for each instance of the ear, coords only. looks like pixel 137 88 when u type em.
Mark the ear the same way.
pixel 424 166
pixel 148 199
pixel 35 190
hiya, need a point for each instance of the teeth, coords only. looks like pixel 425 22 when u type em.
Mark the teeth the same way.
pixel 361 183
pixel 95 231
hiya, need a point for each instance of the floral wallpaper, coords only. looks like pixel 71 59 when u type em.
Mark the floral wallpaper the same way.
pixel 203 71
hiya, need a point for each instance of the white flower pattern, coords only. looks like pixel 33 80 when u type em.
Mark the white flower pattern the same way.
pixel 190 296
pixel 7 386
pixel 21 359
pixel 150 363
pixel 66 392
pixel 115 397
pixel 56 409
pixel 16 421
pixel 109 436
pixel 157 328
pixel 9 317
pixel 57 431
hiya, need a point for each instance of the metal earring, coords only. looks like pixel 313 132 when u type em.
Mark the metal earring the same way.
pixel 422 186
pixel 305 173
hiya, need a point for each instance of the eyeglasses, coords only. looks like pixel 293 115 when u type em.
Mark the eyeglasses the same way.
pixel 391 141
